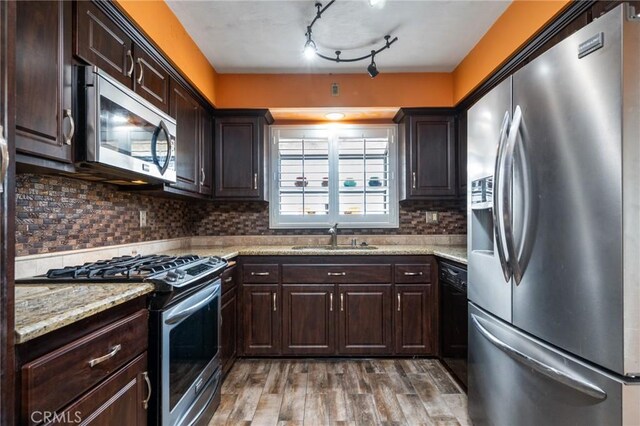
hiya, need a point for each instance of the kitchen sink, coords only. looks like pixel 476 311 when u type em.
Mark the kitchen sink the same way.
pixel 328 247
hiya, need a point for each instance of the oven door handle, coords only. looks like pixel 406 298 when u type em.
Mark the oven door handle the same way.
pixel 180 315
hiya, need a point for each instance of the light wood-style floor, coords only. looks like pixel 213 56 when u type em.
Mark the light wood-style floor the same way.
pixel 341 392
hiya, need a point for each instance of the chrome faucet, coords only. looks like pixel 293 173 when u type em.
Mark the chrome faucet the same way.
pixel 334 235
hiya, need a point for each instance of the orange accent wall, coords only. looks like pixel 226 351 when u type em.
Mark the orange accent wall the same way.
pixel 157 20
pixel 522 20
pixel 314 90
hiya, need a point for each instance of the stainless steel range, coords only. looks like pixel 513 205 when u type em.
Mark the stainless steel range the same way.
pixel 184 329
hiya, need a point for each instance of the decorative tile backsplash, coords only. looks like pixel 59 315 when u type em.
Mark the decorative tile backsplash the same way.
pixel 248 218
pixel 57 214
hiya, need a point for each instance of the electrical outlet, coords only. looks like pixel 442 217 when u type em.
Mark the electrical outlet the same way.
pixel 432 218
pixel 143 218
pixel 335 89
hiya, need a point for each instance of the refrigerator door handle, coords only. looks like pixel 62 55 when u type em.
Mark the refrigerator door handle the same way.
pixel 506 195
pixel 498 225
pixel 552 373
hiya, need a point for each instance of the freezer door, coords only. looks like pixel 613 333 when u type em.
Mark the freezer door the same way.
pixel 489 273
pixel 567 196
pixel 516 380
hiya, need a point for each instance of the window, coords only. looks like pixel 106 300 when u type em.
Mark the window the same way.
pixel 327 174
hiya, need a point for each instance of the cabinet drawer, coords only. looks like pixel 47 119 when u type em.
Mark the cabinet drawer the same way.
pixel 55 379
pixel 413 273
pixel 228 279
pixel 351 274
pixel 260 273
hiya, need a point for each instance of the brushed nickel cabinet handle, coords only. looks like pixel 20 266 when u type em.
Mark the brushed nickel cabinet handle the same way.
pixel 103 358
pixel 341 302
pixel 130 56
pixel 202 175
pixel 255 181
pixel 336 274
pixel 141 76
pixel 399 301
pixel 4 150
pixel 228 280
pixel 275 302
pixel 412 274
pixel 72 130
pixel 413 175
pixel 259 274
pixel 330 302
pixel 145 403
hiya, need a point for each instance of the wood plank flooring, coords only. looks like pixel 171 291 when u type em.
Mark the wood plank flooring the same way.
pixel 340 392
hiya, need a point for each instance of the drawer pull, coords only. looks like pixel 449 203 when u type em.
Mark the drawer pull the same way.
pixel 259 274
pixel 336 274
pixel 145 403
pixel 103 358
pixel 412 274
pixel 228 280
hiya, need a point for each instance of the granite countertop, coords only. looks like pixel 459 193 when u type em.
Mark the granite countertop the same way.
pixel 40 309
pixel 454 253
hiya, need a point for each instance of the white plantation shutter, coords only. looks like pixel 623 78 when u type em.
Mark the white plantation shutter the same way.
pixel 323 175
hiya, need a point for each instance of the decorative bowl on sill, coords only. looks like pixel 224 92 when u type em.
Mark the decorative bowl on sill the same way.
pixel 375 181
pixel 301 181
pixel 325 182
pixel 349 182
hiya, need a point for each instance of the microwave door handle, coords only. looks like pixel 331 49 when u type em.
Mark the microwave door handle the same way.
pixel 507 196
pixel 498 224
pixel 162 127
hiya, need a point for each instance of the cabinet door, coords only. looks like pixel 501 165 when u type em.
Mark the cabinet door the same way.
pixel 308 321
pixel 432 147
pixel 43 79
pixel 413 313
pixel 206 154
pixel 228 333
pixel 151 80
pixel 119 400
pixel 261 319
pixel 238 152
pixel 364 326
pixel 186 111
pixel 100 42
pixel 462 154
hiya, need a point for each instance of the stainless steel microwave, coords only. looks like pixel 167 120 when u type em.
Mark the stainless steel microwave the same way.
pixel 122 136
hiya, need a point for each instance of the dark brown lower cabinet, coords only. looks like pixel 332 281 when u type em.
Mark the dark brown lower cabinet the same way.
pixel 228 334
pixel 308 319
pixel 364 325
pixel 261 319
pixel 414 332
pixel 118 400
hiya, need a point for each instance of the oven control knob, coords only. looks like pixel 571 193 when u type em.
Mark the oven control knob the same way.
pixel 172 277
pixel 181 273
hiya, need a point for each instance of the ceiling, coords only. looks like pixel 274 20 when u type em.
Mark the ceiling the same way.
pixel 265 36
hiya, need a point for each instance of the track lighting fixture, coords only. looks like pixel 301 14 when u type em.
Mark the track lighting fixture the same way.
pixel 311 50
pixel 372 69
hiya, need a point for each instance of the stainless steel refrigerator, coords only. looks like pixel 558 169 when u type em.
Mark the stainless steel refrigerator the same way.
pixel 554 235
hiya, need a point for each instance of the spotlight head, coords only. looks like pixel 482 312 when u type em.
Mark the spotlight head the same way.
pixel 310 49
pixel 372 69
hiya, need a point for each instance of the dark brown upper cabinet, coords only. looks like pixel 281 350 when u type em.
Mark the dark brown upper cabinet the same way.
pixel 45 118
pixel 206 153
pixel 100 42
pixel 187 112
pixel 427 154
pixel 462 154
pixel 240 154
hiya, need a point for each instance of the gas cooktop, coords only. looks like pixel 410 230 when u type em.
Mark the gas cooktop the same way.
pixel 165 271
